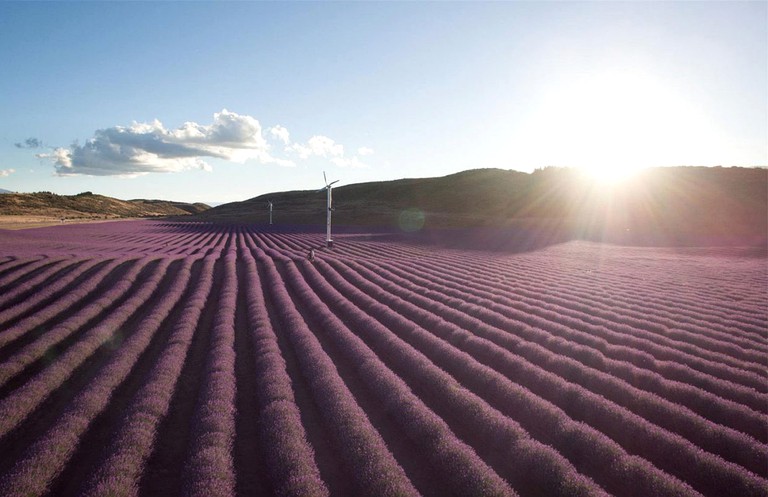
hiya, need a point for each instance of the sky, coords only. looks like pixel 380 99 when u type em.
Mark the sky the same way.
pixel 224 101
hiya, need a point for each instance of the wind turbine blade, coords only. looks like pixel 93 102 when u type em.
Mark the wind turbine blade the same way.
pixel 332 182
pixel 322 189
pixel 325 179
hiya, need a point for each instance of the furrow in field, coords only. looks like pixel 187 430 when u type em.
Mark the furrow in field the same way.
pixel 209 468
pixel 632 308
pixel 543 420
pixel 273 413
pixel 24 291
pixel 616 422
pixel 581 313
pixel 369 463
pixel 709 406
pixel 16 405
pixel 47 456
pixel 35 316
pixel 124 462
pixel 453 467
pixel 610 343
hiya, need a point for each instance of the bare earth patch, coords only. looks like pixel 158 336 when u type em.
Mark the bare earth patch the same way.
pixel 32 221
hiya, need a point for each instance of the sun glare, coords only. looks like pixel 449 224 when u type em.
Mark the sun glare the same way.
pixel 611 174
pixel 612 124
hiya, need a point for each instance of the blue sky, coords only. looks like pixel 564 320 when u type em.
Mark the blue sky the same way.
pixel 218 102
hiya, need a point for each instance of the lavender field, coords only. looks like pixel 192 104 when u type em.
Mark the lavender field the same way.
pixel 158 359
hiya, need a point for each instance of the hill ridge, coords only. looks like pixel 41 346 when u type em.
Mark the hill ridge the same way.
pixel 87 205
pixel 661 206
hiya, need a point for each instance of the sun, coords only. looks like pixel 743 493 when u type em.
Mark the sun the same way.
pixel 611 174
pixel 614 123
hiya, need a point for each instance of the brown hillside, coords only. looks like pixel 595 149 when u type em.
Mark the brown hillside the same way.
pixel 90 206
pixel 661 206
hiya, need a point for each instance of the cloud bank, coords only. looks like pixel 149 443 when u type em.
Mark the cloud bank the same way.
pixel 29 143
pixel 143 148
pixel 6 172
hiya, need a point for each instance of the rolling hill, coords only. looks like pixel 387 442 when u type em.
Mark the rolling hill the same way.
pixel 90 206
pixel 662 206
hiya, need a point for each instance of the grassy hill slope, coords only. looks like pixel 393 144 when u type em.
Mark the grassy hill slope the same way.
pixel 90 206
pixel 668 206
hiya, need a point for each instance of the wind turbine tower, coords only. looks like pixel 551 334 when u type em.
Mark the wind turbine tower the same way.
pixel 328 187
pixel 270 211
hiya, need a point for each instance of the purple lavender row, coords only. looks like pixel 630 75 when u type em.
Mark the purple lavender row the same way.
pixel 594 338
pixel 452 462
pixel 699 319
pixel 182 244
pixel 289 456
pixel 209 469
pixel 672 453
pixel 719 410
pixel 17 405
pixel 608 464
pixel 684 333
pixel 688 299
pixel 276 242
pixel 179 241
pixel 732 380
pixel 360 447
pixel 27 278
pixel 655 322
pixel 44 460
pixel 553 276
pixel 37 349
pixel 642 298
pixel 45 292
pixel 537 297
pixel 268 242
pixel 119 473
pixel 20 267
pixel 687 331
pixel 746 323
pixel 209 239
pixel 299 241
pixel 23 285
pixel 216 239
pixel 457 296
pixel 738 416
pixel 60 305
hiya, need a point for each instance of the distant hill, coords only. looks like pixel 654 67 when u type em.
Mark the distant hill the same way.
pixel 4 191
pixel 662 206
pixel 90 206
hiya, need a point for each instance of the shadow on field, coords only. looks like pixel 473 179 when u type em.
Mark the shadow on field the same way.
pixel 510 239
pixel 484 239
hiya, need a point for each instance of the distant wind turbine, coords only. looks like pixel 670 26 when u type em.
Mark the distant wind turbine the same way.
pixel 270 211
pixel 328 188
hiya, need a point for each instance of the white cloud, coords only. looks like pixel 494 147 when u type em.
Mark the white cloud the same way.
pixel 280 133
pixel 150 147
pixel 142 148
pixel 320 146
pixel 6 172
pixel 363 151
pixel 268 159
pixel 348 162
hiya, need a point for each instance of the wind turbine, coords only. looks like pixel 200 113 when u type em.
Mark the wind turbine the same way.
pixel 270 211
pixel 328 188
